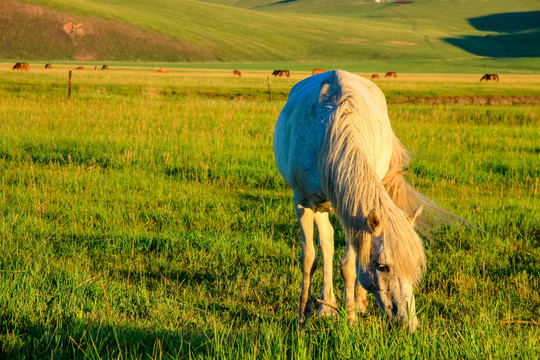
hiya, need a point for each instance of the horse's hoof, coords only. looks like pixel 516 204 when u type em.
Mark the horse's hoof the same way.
pixel 300 323
pixel 361 306
pixel 326 311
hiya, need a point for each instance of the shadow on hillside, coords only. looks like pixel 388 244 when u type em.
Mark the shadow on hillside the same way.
pixel 282 2
pixel 518 35
pixel 508 22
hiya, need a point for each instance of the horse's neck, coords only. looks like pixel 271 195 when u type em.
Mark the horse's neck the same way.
pixel 348 179
pixel 353 147
pixel 354 189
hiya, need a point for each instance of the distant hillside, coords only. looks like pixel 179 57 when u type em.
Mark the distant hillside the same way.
pixel 33 32
pixel 262 30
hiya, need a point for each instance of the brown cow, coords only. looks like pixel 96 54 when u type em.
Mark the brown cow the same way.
pixel 48 66
pixel 162 70
pixel 490 77
pixel 80 68
pixel 105 67
pixel 317 71
pixel 236 72
pixel 375 76
pixel 391 74
pixel 21 66
pixel 281 73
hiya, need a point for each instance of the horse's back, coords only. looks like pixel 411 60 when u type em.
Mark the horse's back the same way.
pixel 300 130
pixel 302 126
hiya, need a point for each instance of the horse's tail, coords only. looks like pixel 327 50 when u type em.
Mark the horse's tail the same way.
pixel 408 198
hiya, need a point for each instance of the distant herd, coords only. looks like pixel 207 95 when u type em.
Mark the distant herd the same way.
pixel 21 66
pixel 26 66
pixel 490 77
pixel 275 73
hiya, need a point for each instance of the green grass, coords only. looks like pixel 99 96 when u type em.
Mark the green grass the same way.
pixel 424 36
pixel 145 217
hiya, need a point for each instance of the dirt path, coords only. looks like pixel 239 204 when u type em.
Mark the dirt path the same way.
pixel 469 100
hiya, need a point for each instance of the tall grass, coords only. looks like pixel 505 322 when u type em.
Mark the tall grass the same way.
pixel 145 218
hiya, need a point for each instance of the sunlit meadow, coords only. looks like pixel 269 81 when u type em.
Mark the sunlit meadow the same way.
pixel 145 218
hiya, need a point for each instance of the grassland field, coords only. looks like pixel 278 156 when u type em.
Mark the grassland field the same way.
pixel 145 218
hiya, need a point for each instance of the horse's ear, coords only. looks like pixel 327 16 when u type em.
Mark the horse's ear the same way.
pixel 374 222
pixel 413 215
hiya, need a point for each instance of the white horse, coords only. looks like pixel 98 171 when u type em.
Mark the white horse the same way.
pixel 334 146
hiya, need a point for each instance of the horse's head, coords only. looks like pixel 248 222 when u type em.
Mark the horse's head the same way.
pixel 395 266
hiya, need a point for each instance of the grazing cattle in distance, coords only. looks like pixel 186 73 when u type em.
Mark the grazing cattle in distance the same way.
pixel 237 72
pixel 317 71
pixel 490 77
pixel 105 67
pixel 162 70
pixel 391 74
pixel 48 66
pixel 21 66
pixel 281 73
pixel 375 76
pixel 80 68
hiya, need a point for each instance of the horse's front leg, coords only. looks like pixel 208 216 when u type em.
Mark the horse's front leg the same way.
pixel 348 271
pixel 361 298
pixel 326 242
pixel 308 259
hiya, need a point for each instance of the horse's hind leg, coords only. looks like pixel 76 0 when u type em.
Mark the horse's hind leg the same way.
pixel 326 242
pixel 308 258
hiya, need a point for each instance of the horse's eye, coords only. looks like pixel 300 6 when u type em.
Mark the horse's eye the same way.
pixel 384 268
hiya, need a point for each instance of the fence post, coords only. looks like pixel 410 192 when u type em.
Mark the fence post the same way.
pixel 69 84
pixel 269 95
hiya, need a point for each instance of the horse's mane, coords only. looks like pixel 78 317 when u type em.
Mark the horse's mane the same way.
pixel 354 188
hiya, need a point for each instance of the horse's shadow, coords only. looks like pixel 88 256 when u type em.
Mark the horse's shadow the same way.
pixel 76 338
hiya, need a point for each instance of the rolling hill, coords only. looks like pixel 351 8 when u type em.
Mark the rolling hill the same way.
pixel 262 30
